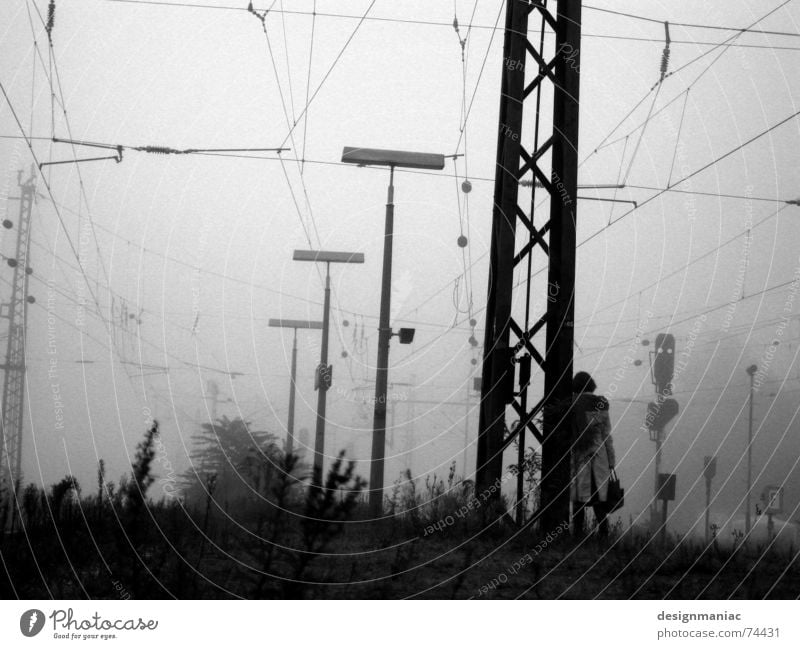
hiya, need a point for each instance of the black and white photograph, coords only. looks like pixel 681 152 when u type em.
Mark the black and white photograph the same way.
pixel 367 301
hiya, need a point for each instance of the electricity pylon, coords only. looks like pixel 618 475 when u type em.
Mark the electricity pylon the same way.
pixel 557 72
pixel 16 310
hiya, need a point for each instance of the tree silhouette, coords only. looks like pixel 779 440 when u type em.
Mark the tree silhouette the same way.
pixel 242 460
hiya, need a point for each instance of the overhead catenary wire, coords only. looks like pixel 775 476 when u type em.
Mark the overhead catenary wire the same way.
pixel 290 135
pixel 657 86
pixel 689 25
pixel 727 43
pixel 694 261
pixel 98 315
pixel 304 156
pixel 332 66
pixel 463 241
pixel 695 192
pixel 288 65
pixel 698 171
pixel 446 286
pixel 443 23
pixel 237 280
pixel 122 360
pixel 71 243
pixel 263 20
pixel 166 150
pixel 697 314
pixel 308 79
pixel 678 136
pixel 51 73
pixel 480 76
pixel 57 76
pixel 641 204
pixel 705 312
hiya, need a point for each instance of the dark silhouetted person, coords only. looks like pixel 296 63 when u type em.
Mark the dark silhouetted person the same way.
pixel 593 455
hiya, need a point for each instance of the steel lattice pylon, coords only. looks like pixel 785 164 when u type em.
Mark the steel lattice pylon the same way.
pixel 16 310
pixel 509 341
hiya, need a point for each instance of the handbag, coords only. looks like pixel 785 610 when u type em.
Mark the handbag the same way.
pixel 615 497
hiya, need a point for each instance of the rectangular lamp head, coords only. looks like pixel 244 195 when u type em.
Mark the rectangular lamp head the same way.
pixel 406 335
pixel 389 158
pixel 326 255
pixel 295 324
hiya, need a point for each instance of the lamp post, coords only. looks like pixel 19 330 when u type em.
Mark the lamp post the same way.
pixel 709 471
pixel 323 379
pixel 751 371
pixel 294 325
pixel 391 159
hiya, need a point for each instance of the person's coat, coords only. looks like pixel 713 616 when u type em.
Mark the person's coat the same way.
pixel 594 454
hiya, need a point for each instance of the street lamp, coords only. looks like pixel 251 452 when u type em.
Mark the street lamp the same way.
pixel 391 159
pixel 295 325
pixel 751 371
pixel 709 471
pixel 323 378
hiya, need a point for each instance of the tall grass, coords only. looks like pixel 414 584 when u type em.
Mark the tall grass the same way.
pixel 299 535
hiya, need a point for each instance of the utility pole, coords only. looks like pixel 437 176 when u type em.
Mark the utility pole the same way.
pixel 324 376
pixel 294 325
pixel 660 411
pixel 467 408
pixel 557 72
pixel 410 431
pixel 709 471
pixel 289 448
pixel 408 426
pixel 14 367
pixel 376 466
pixel 392 159
pixel 751 371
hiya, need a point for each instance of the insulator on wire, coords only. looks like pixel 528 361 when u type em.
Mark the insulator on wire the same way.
pixel 51 19
pixel 461 41
pixel 163 150
pixel 664 62
pixel 666 52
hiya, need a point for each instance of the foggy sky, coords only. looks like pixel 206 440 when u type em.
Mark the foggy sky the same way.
pixel 183 77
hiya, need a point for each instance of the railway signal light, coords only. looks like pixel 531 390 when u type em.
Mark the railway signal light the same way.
pixel 664 363
pixel 659 414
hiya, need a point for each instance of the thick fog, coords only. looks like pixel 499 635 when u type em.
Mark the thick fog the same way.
pixel 155 277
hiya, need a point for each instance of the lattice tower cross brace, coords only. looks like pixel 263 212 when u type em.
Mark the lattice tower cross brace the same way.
pixel 16 311
pixel 555 238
